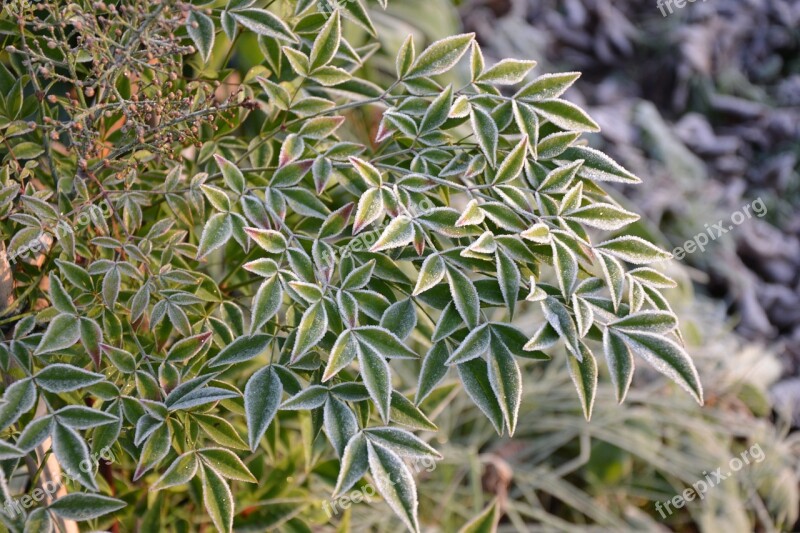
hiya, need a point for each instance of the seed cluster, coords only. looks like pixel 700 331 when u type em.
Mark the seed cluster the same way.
pixel 108 79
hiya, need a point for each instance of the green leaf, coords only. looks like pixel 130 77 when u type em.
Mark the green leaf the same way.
pixel 545 337
pixel 400 319
pixel 18 399
pixel 220 430
pixel 60 298
pixel 401 442
pixel 197 397
pixel 649 321
pixel 263 22
pixel 262 396
pixel 9 451
pixel 35 433
pixel 474 375
pixel 312 328
pixel 565 115
pixel 218 499
pixel 354 463
pixel 123 360
pixel 340 424
pixel 180 472
pixel 62 332
pixel 226 463
pixel 233 177
pixel 75 274
pixel 620 363
pixel 440 56
pixel 270 240
pixel 185 349
pixel 506 380
pixel 652 278
pixel 597 166
pixel 538 233
pixel 73 455
pixel 395 483
pixel 486 132
pixel 431 274
pixel 377 377
pixel 584 375
pixel 80 417
pixel 475 345
pixel 434 368
pixel 306 399
pixel 298 61
pixel 472 215
pixel 384 342
pixel 547 86
pixel 465 296
pixel 111 286
pixel 291 174
pixel 217 231
pixel 27 150
pixel 242 349
pixel 370 207
pixel 507 72
pixel 603 216
pixel 436 114
pixel 560 319
pixel 367 171
pixel 327 42
pixel 405 57
pixel 336 222
pixel 60 377
pixel 359 277
pixel 80 506
pixel 321 128
pixel 404 412
pixel 614 276
pixel 584 316
pixel 39 521
pixel 329 76
pixel 398 233
pixel 155 449
pixel 266 303
pixel 565 263
pixel 476 61
pixel 508 277
pixel 633 250
pixel 485 522
pixel 513 163
pixel 560 178
pixel 572 199
pixel 201 29
pixel 668 357
pixel 343 352
pixel 277 94
pixel 460 108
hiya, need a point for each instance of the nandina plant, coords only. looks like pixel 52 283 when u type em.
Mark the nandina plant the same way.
pixel 222 277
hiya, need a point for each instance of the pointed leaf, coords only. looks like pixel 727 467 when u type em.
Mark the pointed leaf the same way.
pixel 262 396
pixel 440 56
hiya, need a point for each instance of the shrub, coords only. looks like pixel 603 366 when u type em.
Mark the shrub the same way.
pixel 211 267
